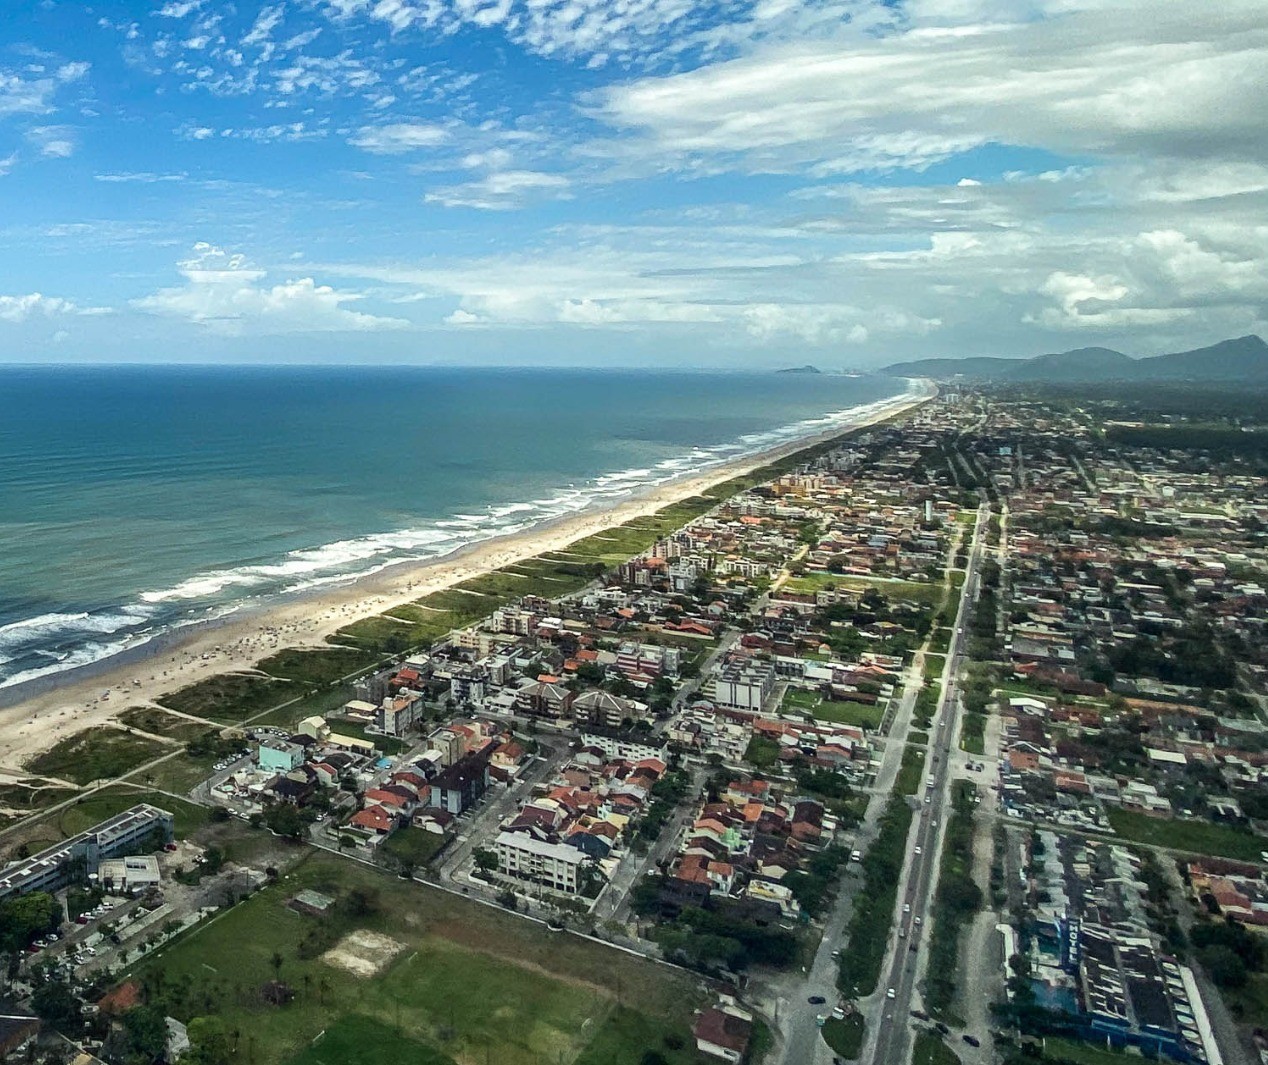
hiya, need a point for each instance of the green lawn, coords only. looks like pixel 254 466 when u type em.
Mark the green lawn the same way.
pixel 32 797
pixel 230 697
pixel 107 802
pixel 317 667
pixel 386 744
pixel 1187 834
pixel 355 1039
pixel 1073 1052
pixel 627 1035
pixel 97 754
pixel 931 1050
pixel 849 712
pixel 841 712
pixel 761 752
pixel 161 723
pixel 468 983
pixel 414 845
pixel 1249 1004
pixel 910 772
pixel 845 1037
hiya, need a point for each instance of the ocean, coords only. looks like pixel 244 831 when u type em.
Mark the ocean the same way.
pixel 136 500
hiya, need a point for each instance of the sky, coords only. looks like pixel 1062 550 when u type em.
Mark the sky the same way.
pixel 735 184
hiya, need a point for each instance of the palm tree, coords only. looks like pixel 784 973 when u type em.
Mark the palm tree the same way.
pixel 276 962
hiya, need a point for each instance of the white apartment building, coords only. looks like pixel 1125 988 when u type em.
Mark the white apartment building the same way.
pixel 554 866
pixel 745 685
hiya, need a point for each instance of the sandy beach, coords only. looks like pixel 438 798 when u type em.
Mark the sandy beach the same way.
pixel 80 700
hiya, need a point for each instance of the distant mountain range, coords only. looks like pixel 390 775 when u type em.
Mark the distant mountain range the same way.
pixel 1243 360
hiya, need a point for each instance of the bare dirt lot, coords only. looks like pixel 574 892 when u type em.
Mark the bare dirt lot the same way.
pixel 363 953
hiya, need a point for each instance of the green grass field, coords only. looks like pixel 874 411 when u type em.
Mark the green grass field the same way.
pixel 357 1038
pixel 840 712
pixel 910 771
pixel 468 982
pixel 761 752
pixel 107 802
pixel 845 1037
pixel 230 697
pixel 97 754
pixel 628 1034
pixel 161 723
pixel 931 1050
pixel 317 667
pixel 1073 1052
pixel 1185 834
pixel 1249 1003
pixel 414 845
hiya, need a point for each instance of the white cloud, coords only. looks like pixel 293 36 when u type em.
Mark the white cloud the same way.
pixel 720 288
pixel 178 8
pixel 1180 80
pixel 399 137
pixel 222 291
pixel 54 142
pixel 22 308
pixel 261 31
pixel 142 177
pixel 502 190
pixel 23 94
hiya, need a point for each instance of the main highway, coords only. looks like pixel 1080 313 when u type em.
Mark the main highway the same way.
pixel 794 1013
pixel 889 1035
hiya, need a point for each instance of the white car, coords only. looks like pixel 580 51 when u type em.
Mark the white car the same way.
pixel 891 993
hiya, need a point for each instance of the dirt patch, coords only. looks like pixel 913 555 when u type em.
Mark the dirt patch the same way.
pixel 363 953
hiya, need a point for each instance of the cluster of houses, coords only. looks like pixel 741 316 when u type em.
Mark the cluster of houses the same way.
pixel 739 848
pixel 1235 890
pixel 569 836
pixel 438 782
pixel 1135 620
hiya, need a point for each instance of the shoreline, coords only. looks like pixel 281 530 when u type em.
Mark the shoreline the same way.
pixel 36 714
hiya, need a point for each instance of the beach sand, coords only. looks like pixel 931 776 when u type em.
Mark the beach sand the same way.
pixel 33 725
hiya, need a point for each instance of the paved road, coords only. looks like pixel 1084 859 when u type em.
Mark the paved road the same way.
pixel 789 1002
pixel 614 904
pixel 791 1006
pixel 889 1037
pixel 480 828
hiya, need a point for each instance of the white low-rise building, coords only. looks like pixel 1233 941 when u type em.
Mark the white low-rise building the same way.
pixel 554 866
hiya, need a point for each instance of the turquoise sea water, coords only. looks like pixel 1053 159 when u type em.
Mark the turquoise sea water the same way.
pixel 137 499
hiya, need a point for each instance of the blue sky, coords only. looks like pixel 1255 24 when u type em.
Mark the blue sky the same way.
pixel 617 182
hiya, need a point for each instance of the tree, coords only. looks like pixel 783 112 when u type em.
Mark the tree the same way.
pixel 486 860
pixel 55 1004
pixel 1224 966
pixel 145 1029
pixel 286 820
pixel 276 962
pixel 26 917
pixel 209 1042
pixel 361 902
